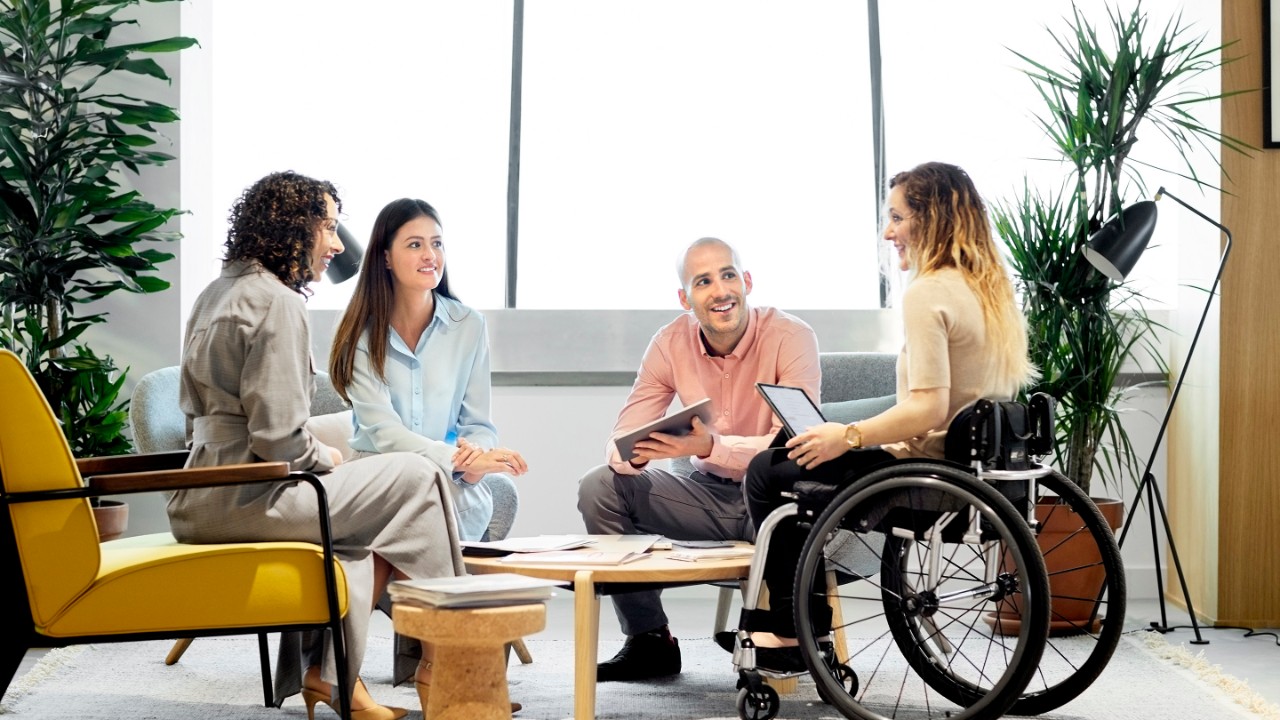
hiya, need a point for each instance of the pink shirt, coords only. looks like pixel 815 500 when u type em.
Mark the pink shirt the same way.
pixel 777 348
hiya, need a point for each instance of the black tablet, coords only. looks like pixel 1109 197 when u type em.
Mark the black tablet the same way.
pixel 677 423
pixel 792 406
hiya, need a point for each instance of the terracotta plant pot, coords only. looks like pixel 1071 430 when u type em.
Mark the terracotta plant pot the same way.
pixel 112 517
pixel 1074 564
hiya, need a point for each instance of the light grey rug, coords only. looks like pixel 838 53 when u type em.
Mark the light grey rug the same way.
pixel 217 679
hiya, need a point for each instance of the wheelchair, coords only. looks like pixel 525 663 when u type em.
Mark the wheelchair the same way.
pixel 947 595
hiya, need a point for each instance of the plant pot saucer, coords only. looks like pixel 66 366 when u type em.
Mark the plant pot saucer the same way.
pixel 1057 628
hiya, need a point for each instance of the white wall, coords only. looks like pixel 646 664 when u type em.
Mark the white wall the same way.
pixel 561 431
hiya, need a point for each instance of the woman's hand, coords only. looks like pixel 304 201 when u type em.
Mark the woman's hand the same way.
pixel 466 453
pixel 817 445
pixel 476 462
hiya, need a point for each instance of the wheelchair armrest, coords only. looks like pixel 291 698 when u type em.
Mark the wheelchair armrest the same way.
pixel 812 492
pixel 113 464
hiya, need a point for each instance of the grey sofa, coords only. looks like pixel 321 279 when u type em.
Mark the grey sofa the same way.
pixel 158 426
pixel 857 385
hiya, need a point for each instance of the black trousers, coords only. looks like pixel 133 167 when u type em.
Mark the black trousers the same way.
pixel 768 476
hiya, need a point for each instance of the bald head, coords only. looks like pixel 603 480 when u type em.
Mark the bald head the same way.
pixel 682 265
pixel 714 287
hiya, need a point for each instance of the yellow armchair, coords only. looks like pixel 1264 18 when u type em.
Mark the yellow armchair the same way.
pixel 73 590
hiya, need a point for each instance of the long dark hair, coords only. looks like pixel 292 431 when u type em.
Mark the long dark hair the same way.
pixel 374 298
pixel 274 221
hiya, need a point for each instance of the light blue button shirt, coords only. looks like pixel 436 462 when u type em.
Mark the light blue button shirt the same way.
pixel 432 395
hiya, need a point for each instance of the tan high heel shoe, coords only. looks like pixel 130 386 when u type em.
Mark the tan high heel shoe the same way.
pixel 377 712
pixel 424 691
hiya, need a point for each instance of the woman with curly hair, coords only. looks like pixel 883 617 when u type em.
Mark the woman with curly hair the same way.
pixel 965 340
pixel 246 387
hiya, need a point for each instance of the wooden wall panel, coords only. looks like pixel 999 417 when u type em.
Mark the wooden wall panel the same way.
pixel 1249 489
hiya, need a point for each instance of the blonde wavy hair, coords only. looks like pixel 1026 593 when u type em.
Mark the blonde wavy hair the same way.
pixel 950 229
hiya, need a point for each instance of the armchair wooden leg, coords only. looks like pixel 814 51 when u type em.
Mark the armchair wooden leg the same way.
pixel 522 651
pixel 175 653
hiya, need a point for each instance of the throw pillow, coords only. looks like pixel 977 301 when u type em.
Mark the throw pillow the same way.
pixel 334 430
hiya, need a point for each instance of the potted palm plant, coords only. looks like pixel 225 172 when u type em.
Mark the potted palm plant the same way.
pixel 1113 87
pixel 71 230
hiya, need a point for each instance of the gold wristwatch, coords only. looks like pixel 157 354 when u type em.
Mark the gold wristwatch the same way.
pixel 853 436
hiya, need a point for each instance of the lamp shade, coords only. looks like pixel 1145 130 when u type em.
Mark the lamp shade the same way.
pixel 1115 248
pixel 346 264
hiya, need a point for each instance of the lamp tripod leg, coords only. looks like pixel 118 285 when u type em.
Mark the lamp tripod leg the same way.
pixel 1163 626
pixel 1177 565
pixel 1154 503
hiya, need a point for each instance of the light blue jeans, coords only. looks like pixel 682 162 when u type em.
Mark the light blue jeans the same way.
pixel 473 505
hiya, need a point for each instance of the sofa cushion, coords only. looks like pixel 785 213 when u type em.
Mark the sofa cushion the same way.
pixel 857 410
pixel 858 375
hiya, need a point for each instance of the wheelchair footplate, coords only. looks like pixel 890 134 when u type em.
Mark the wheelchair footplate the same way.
pixel 757 700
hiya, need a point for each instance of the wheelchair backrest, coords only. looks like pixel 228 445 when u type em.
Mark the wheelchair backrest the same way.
pixel 1002 435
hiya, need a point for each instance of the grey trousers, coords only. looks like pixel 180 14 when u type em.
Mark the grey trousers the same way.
pixel 657 502
pixel 398 506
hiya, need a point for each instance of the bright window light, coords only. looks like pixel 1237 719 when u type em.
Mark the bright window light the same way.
pixel 394 99
pixel 649 124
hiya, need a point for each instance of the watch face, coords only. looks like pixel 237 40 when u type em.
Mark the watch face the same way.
pixel 853 437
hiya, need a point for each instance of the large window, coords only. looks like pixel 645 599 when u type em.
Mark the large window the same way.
pixel 644 124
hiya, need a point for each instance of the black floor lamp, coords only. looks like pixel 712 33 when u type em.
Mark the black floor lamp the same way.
pixel 1114 250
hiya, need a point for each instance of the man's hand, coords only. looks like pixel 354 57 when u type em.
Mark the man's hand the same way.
pixel 817 445
pixel 660 446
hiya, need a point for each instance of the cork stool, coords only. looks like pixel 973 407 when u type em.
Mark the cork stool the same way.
pixel 470 672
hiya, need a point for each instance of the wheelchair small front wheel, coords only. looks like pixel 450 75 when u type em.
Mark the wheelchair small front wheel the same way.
pixel 928 555
pixel 758 703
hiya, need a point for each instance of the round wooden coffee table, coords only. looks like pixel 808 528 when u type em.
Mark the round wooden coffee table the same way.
pixel 589 582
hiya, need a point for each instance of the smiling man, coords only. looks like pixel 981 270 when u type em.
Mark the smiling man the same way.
pixel 719 350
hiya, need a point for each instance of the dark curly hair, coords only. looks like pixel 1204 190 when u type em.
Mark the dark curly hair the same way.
pixel 275 221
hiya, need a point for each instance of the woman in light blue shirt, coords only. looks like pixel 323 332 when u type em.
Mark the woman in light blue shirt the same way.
pixel 413 362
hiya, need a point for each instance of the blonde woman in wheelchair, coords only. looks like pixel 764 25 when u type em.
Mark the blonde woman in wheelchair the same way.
pixel 965 339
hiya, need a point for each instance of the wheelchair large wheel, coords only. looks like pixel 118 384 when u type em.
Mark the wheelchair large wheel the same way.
pixel 931 562
pixel 1086 596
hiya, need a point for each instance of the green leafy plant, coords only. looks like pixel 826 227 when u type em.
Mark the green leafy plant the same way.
pixel 69 225
pixel 1084 329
